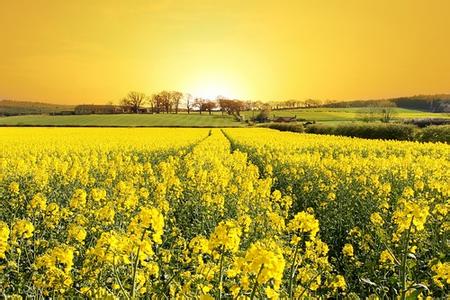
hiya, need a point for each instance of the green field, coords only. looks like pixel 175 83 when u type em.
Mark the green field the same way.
pixel 151 120
pixel 336 115
pixel 326 115
pixel 10 107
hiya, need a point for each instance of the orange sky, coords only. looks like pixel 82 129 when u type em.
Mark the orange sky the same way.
pixel 96 51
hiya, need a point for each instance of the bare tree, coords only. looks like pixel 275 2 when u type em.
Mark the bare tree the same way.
pixel 188 98
pixel 163 101
pixel 157 103
pixel 134 100
pixel 222 102
pixel 209 106
pixel 166 98
pixel 387 111
pixel 176 98
pixel 200 103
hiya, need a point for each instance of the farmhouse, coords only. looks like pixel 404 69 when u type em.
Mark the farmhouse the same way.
pixel 87 109
pixel 285 119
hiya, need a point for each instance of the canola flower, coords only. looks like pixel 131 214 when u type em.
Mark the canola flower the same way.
pixel 367 194
pixel 22 229
pixel 212 214
pixel 4 235
pixel 348 250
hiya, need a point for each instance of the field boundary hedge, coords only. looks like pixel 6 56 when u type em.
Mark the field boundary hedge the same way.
pixel 401 132
pixel 295 127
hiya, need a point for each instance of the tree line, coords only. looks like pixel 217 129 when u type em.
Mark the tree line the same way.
pixel 175 101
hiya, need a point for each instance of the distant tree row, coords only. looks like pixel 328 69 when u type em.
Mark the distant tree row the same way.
pixel 431 103
pixel 174 101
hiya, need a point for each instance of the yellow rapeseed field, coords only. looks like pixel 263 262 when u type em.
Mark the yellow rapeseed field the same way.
pixel 212 214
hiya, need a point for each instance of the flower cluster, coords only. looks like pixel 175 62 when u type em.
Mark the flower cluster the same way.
pixel 220 214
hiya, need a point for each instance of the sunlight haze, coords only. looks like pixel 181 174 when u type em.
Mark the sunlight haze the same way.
pixel 98 51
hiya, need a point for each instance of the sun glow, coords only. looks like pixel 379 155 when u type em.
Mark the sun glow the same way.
pixel 210 89
pixel 98 51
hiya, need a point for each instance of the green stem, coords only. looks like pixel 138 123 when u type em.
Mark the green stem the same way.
pixel 404 257
pixel 256 283
pixel 118 280
pixel 135 265
pixel 309 284
pixel 291 274
pixel 221 272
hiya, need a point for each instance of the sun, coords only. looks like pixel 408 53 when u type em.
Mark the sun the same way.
pixel 211 91
pixel 212 87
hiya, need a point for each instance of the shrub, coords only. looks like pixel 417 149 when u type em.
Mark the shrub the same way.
pixel 294 127
pixel 320 129
pixel 367 131
pixel 262 116
pixel 434 134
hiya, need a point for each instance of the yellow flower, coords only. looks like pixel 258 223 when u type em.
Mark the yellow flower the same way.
pixel 276 221
pixel 78 199
pixel 52 215
pixel 54 269
pixel 265 261
pixel 14 187
pixel 98 194
pixel 271 293
pixel 408 211
pixel 408 192
pixel 149 218
pixel 304 222
pixel 77 233
pixel 331 196
pixel 442 274
pixel 348 250
pixel 106 214
pixel 338 283
pixel 386 258
pixel 22 229
pixel 206 297
pixel 376 219
pixel 235 289
pixel 4 235
pixel 226 235
pixel 38 202
pixel 199 244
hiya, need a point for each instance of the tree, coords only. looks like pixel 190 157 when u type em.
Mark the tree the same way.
pixel 134 100
pixel 162 101
pixel 231 106
pixel 222 102
pixel 263 115
pixel 166 100
pixel 368 114
pixel 379 110
pixel 188 98
pixel 387 111
pixel 157 103
pixel 176 98
pixel 200 104
pixel 209 106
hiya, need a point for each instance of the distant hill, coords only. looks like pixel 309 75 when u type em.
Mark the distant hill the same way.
pixel 428 103
pixel 13 108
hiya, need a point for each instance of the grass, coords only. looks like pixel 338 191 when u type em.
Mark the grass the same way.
pixel 330 116
pixel 150 120
pixel 9 107
pixel 337 115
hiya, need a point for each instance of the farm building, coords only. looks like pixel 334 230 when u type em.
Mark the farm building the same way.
pixel 285 119
pixel 87 109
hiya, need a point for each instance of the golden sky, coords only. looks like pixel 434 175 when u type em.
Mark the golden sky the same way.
pixel 94 51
